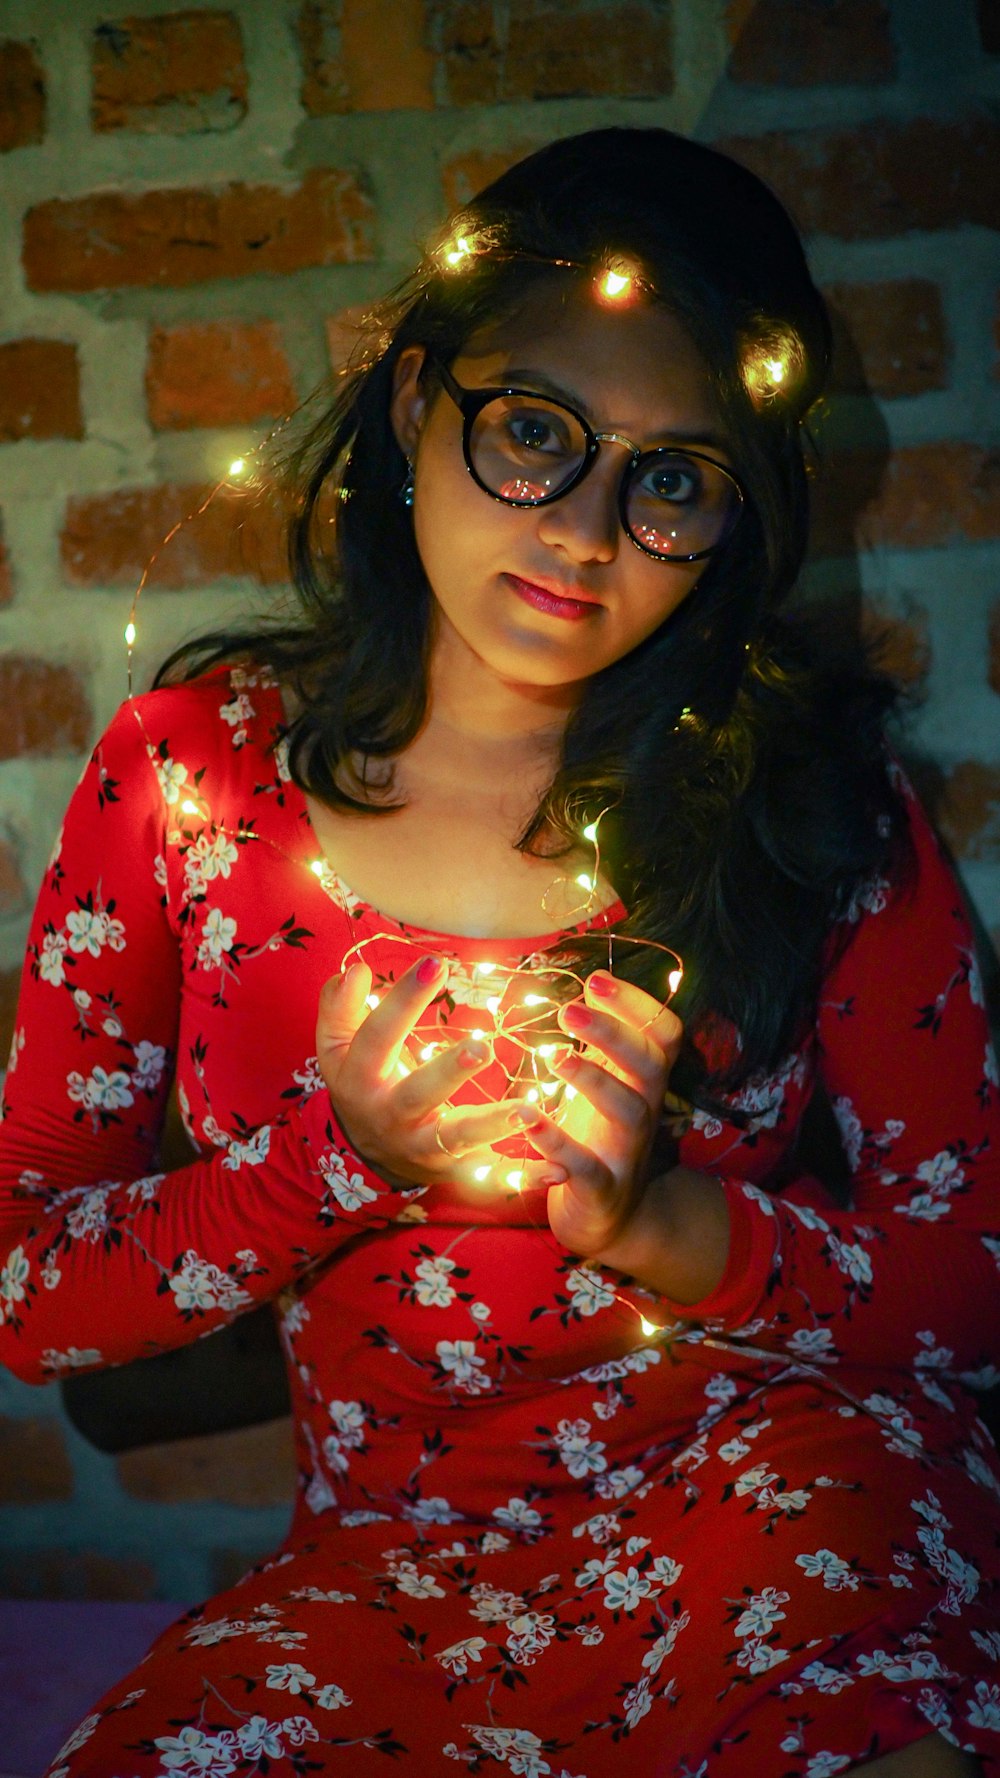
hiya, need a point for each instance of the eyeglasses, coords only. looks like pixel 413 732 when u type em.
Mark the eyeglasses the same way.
pixel 525 450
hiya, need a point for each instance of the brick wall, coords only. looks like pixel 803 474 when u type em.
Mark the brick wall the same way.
pixel 191 198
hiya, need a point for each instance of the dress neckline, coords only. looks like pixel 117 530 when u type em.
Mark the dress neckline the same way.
pixel 364 913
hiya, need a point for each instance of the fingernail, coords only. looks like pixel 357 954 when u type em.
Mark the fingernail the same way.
pixel 525 1117
pixel 428 971
pixel 576 1014
pixel 601 984
pixel 554 1176
pixel 472 1054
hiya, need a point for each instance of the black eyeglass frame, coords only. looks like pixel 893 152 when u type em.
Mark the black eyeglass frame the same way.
pixel 470 403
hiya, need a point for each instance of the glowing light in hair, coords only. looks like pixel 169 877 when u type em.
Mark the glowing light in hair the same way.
pixel 458 251
pixel 771 365
pixel 237 466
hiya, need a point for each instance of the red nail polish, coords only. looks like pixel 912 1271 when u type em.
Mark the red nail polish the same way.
pixel 601 984
pixel 429 970
pixel 577 1014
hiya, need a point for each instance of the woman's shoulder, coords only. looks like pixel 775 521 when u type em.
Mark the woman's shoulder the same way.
pixel 224 710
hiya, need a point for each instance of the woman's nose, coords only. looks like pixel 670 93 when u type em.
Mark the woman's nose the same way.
pixel 584 523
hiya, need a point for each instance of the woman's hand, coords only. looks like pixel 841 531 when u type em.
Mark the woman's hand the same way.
pixel 391 1107
pixel 603 1142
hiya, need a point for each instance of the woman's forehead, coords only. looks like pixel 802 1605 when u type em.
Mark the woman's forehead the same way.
pixel 636 357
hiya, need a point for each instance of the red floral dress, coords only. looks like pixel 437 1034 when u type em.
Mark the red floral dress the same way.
pixel 527 1535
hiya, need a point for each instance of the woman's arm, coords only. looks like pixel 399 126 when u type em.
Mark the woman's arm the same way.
pixel 100 1262
pixel 910 1269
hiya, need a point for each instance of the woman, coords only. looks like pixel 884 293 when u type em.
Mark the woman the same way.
pixel 610 1448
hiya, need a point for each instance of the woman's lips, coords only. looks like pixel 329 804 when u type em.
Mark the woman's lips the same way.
pixel 555 604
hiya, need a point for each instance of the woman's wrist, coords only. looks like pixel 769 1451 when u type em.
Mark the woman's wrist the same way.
pixel 676 1243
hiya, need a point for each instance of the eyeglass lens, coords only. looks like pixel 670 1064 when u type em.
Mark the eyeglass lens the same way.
pixel 528 449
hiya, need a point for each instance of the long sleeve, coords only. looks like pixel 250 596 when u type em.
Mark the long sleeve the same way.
pixel 101 1261
pixel 907 1275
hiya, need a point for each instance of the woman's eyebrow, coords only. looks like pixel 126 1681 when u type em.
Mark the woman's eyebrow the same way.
pixel 525 376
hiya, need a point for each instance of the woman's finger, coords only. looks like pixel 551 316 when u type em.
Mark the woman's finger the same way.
pixel 342 1011
pixel 620 1104
pixel 460 1129
pixel 428 1086
pixel 633 1054
pixel 382 1037
pixel 636 1008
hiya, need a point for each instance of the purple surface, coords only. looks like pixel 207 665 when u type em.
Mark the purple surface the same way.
pixel 56 1659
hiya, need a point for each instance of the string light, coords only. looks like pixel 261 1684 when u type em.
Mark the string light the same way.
pixel 771 363
pixel 237 466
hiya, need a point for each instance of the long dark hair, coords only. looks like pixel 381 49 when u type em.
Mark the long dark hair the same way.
pixel 743 768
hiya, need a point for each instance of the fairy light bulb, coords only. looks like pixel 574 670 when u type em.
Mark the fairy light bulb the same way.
pixel 481 1174
pixel 458 251
pixel 617 284
pixel 649 1328
pixel 130 634
pixel 485 968
pixel 674 980
pixel 590 831
pixel 237 466
pixel 189 808
pixel 515 1178
pixel 771 363
pixel 317 867
pixel 372 1001
pixel 586 882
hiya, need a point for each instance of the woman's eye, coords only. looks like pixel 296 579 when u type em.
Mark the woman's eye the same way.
pixel 535 432
pixel 678 482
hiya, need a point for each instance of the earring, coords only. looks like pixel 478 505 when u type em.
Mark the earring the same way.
pixel 406 491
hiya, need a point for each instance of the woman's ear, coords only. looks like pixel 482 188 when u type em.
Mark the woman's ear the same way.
pixel 409 398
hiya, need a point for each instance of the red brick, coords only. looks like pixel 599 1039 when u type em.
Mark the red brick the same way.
pixel 22 96
pixel 807 42
pixel 43 708
pixel 993 671
pixel 365 55
pixel 39 390
pixel 66 1574
pixel 182 72
pixel 6 571
pixel 188 234
pixel 466 175
pixel 34 1462
pixel 889 338
pixel 900 645
pixel 112 539
pixel 13 890
pixel 969 812
pixel 554 49
pixel 253 1466
pixel 883 178
pixel 10 988
pixel 989 26
pixel 217 373
pixel 922 497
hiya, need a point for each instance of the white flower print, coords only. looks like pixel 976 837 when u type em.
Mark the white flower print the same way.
pixel 989 1642
pixel 259 1739
pixel 249 1154
pixel 217 936
pixel 13 1277
pixel 50 959
pixel 297 1730
pixel 493 1605
pixel 434 1510
pixel 100 1091
pixel 74 1358
pixel 834 1571
pixel 852 1259
pixel 625 1591
pixel 80 1736
pixel 529 1635
pixel 870 897
pixel 90 931
pixel 457 1657
pixel 415 1585
pixel 332 1697
pixel 824 1765
pixel 349 1189
pixel 88 1220
pixel 518 1515
pixel 760 1657
pixel 208 857
pixel 195 1752
pixel 582 1456
pixel 986 1709
pixel 149 1062
pixel 589 1291
pixel 434 1290
pixel 201 1285
pixel 173 777
pixel 761 1613
pixel 289 1677
pixel 825 1679
pixel 664 1645
pixel 464 1366
pixel 637 1702
pixel 666 1571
